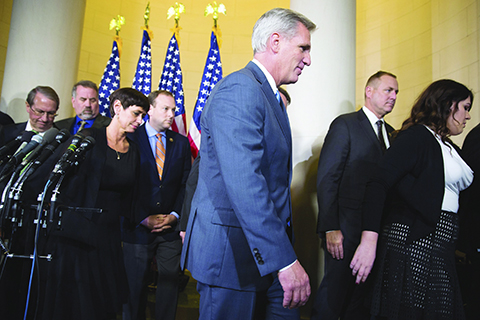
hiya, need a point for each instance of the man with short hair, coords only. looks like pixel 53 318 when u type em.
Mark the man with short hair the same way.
pixel 165 159
pixel 238 239
pixel 353 146
pixel 42 106
pixel 86 106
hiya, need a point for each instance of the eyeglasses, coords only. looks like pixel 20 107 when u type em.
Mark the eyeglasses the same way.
pixel 40 113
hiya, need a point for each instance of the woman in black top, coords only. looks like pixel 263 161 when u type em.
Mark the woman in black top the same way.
pixel 413 200
pixel 87 278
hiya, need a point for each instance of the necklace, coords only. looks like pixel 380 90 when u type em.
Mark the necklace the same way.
pixel 118 155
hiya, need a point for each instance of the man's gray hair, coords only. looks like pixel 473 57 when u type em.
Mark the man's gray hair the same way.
pixel 85 84
pixel 283 21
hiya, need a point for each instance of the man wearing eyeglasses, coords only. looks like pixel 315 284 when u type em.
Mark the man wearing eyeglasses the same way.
pixel 42 106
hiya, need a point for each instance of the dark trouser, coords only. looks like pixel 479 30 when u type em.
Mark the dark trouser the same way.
pixel 137 262
pixel 221 303
pixel 338 296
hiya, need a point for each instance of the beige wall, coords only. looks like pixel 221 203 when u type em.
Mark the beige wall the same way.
pixel 236 28
pixel 420 41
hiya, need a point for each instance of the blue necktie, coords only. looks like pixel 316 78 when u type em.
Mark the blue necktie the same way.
pixel 277 94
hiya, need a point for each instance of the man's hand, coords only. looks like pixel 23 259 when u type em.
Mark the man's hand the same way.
pixel 364 257
pixel 335 243
pixel 296 286
pixel 159 222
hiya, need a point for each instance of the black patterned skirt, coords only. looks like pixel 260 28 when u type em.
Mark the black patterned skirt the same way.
pixel 418 280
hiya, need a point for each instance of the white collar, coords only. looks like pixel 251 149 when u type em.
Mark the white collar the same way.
pixel 267 74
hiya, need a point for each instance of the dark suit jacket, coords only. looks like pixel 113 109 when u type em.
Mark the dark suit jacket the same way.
pixel 189 192
pixel 10 132
pixel 5 119
pixel 349 155
pixel 100 121
pixel 159 196
pixel 470 199
pixel 237 230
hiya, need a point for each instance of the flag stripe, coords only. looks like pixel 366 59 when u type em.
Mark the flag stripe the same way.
pixel 212 73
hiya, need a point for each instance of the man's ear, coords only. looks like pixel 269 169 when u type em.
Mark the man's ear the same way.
pixel 368 91
pixel 274 42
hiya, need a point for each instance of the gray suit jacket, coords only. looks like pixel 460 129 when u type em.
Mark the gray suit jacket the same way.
pixel 237 233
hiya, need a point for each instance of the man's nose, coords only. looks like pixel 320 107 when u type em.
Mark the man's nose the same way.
pixel 307 59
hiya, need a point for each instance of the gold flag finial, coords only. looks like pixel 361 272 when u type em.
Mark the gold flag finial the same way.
pixel 175 11
pixel 215 10
pixel 146 16
pixel 117 23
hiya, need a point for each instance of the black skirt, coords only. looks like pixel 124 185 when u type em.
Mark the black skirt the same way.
pixel 418 280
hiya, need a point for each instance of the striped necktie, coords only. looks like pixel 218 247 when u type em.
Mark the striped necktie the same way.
pixel 159 155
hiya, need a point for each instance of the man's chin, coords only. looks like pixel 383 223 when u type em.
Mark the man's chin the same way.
pixel 87 117
pixel 42 128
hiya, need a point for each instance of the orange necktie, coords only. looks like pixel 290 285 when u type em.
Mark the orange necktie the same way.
pixel 159 155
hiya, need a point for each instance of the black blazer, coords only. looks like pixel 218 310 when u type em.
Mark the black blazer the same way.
pixel 5 119
pixel 10 132
pixel 412 175
pixel 100 121
pixel 347 160
pixel 159 196
pixel 469 199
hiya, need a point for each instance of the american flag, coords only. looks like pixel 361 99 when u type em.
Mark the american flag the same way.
pixel 171 80
pixel 212 73
pixel 143 75
pixel 110 80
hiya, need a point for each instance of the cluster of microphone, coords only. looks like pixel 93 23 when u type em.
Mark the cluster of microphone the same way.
pixel 22 156
pixel 28 151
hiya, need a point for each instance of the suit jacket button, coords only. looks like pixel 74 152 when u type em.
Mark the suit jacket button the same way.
pixel 255 250
pixel 158 204
pixel 260 262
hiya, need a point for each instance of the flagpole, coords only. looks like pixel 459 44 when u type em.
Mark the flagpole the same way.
pixel 212 73
pixel 172 78
pixel 142 81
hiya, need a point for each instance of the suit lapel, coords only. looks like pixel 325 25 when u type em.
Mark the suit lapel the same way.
pixel 367 128
pixel 279 113
pixel 170 148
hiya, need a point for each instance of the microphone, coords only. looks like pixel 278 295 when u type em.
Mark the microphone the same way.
pixel 76 140
pixel 60 137
pixel 48 137
pixel 8 149
pixel 86 145
pixel 20 154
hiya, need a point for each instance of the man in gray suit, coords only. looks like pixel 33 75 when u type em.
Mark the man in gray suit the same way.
pixel 238 239
pixel 85 104
pixel 353 146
